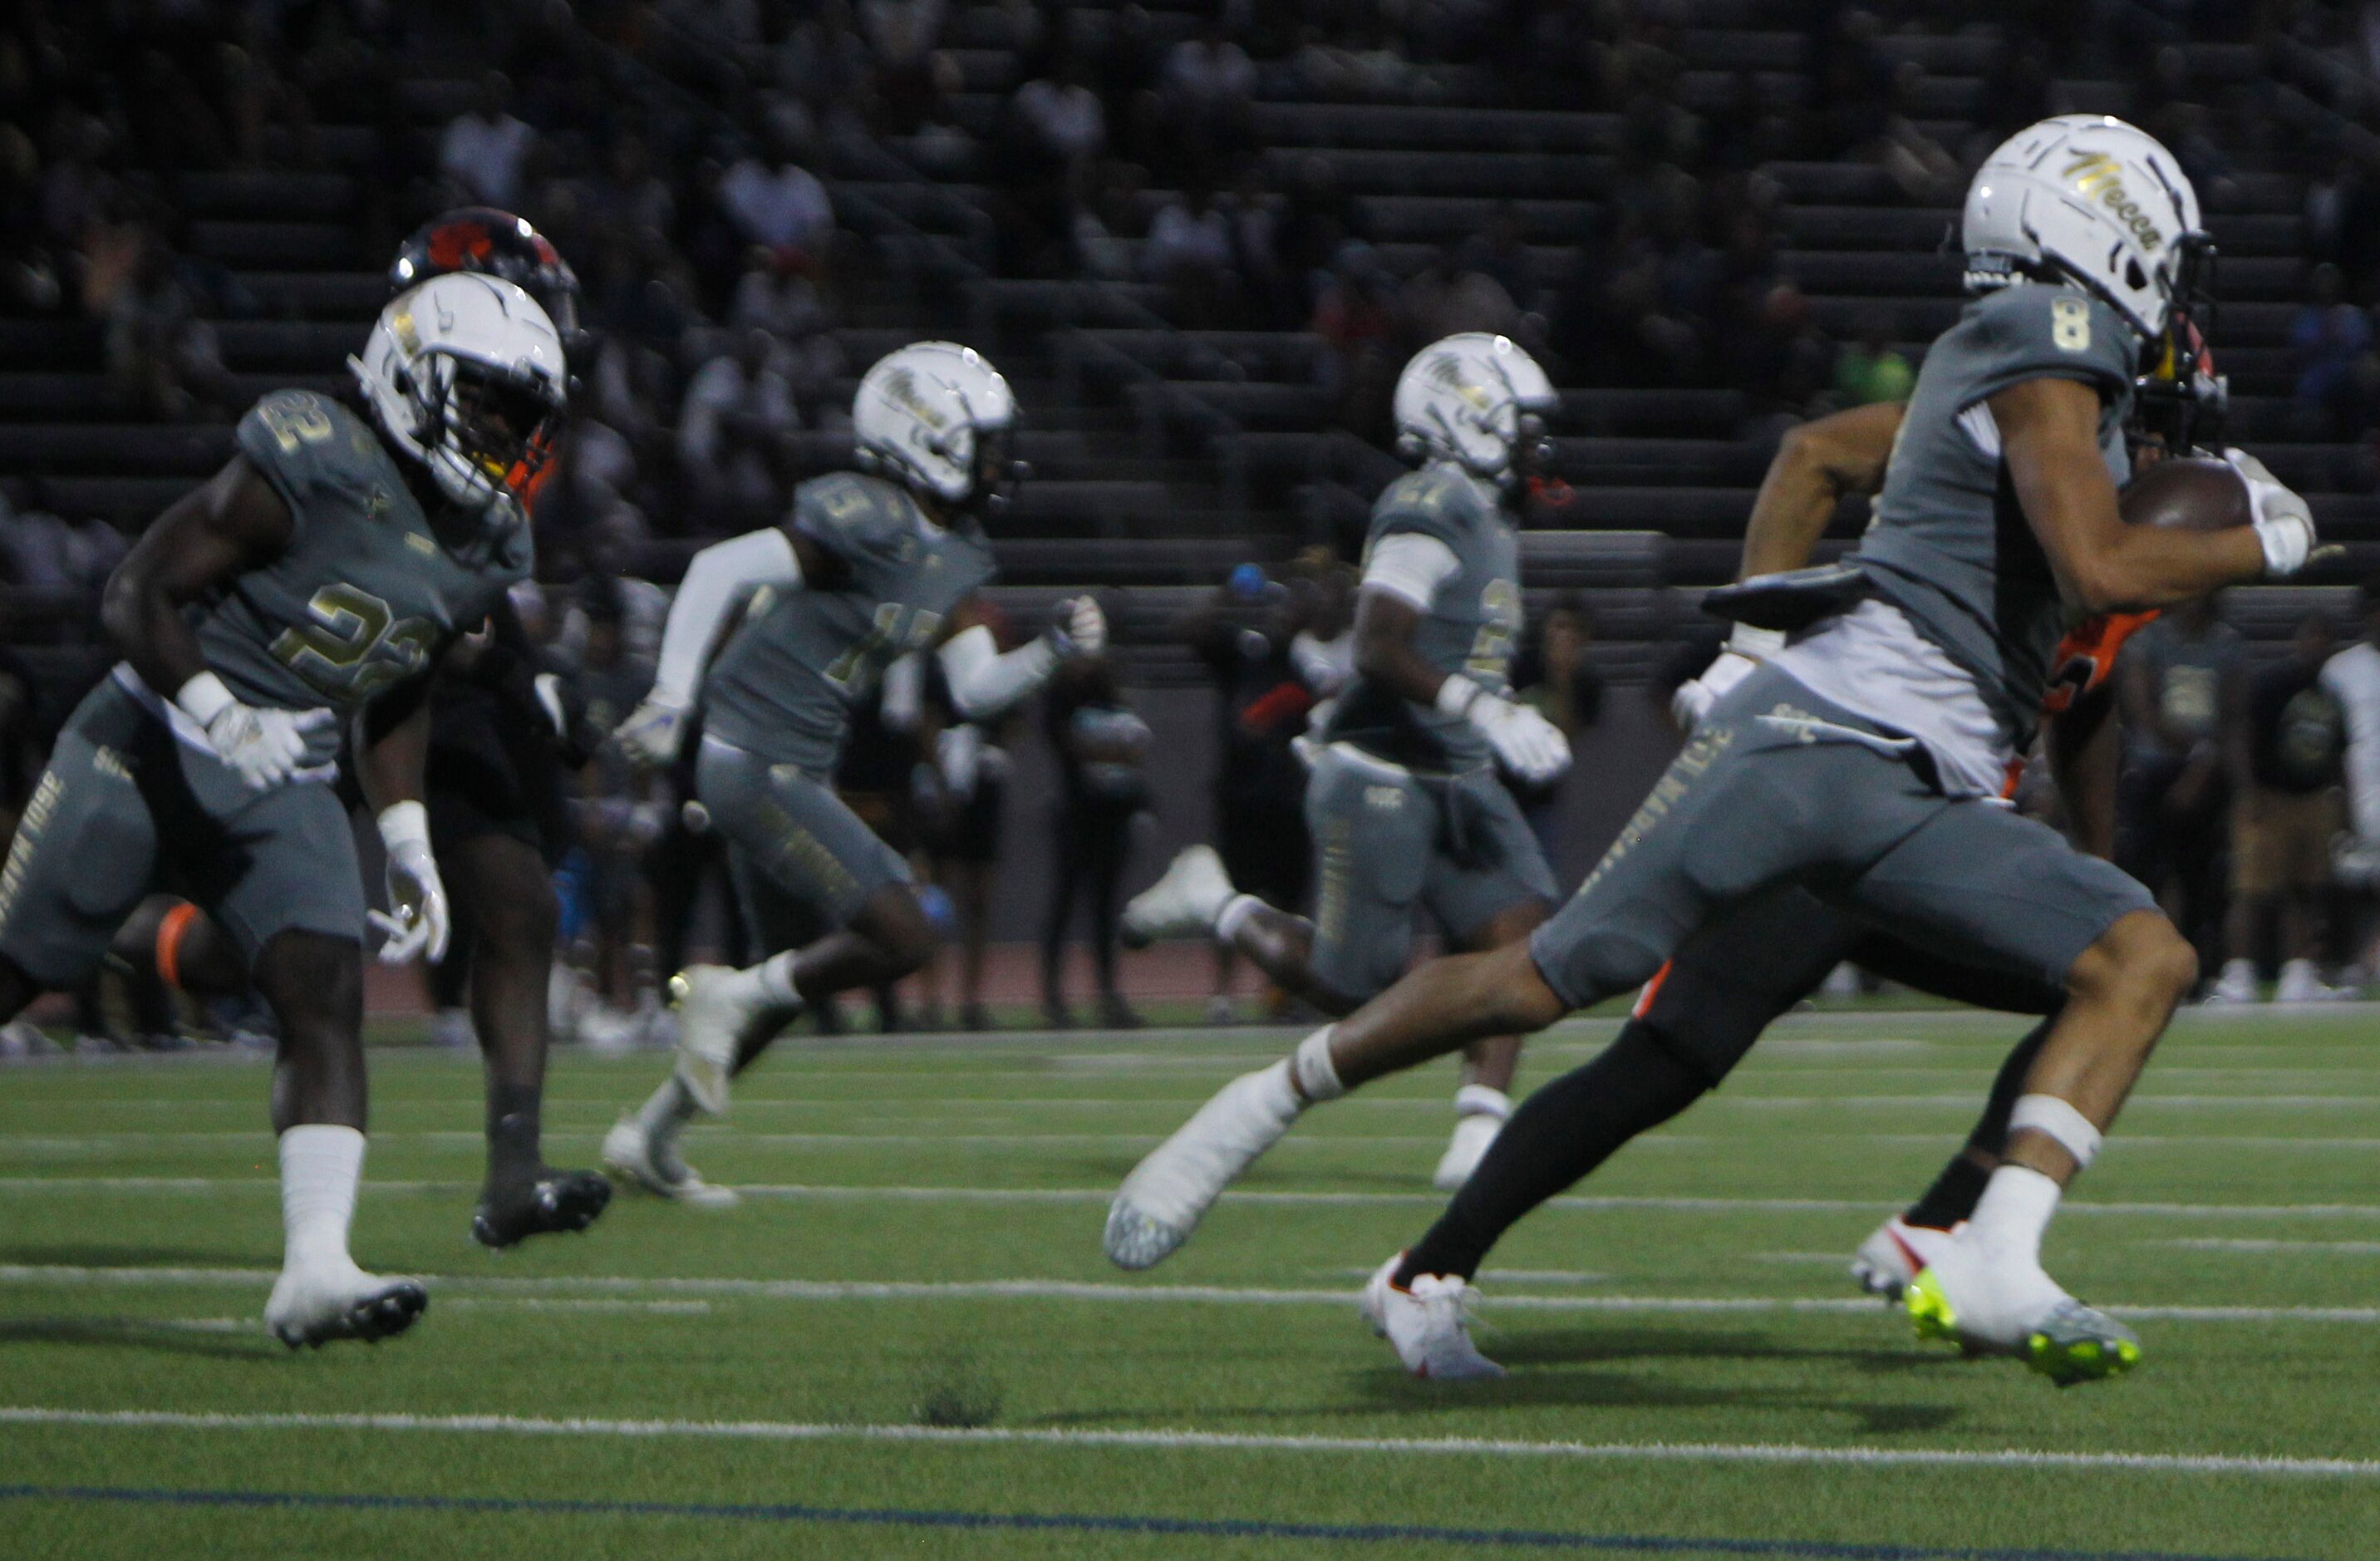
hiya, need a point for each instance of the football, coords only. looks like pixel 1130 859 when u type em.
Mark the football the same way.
pixel 2189 493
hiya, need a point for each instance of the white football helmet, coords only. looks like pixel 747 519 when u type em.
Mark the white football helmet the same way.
pixel 936 417
pixel 1475 400
pixel 2092 199
pixel 465 373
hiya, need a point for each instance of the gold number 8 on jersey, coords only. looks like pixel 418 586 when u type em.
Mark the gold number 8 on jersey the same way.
pixel 2070 325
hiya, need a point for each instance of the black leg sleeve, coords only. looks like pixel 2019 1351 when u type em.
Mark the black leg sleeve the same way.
pixel 1559 1135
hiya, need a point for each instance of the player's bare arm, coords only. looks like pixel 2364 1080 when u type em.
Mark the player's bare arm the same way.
pixel 1817 465
pixel 2049 433
pixel 233 523
pixel 1384 647
pixel 2084 746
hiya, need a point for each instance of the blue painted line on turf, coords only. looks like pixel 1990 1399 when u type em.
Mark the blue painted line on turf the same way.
pixel 1204 1527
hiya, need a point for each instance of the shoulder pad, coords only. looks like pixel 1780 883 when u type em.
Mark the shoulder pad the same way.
pixel 303 442
pixel 848 513
pixel 1437 503
pixel 2037 331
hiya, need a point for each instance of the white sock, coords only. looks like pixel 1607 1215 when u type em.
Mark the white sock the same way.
pixel 1316 1077
pixel 2015 1210
pixel 320 1168
pixel 668 1109
pixel 1479 1100
pixel 1234 915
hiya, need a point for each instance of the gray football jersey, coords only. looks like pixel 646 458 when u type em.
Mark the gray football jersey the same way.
pixel 1949 545
pixel 1471 628
pixel 366 594
pixel 784 685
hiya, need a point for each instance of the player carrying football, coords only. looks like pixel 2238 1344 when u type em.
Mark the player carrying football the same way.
pixel 1404 806
pixel 867 566
pixel 325 569
pixel 1863 760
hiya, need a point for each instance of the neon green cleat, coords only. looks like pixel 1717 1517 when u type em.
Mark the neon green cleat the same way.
pixel 2080 1344
pixel 2074 1343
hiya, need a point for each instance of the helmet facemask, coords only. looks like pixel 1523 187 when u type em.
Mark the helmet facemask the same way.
pixel 2180 401
pixel 484 432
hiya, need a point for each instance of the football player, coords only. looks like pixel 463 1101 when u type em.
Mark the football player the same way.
pixel 869 566
pixel 503 725
pixel 1863 760
pixel 322 574
pixel 1404 805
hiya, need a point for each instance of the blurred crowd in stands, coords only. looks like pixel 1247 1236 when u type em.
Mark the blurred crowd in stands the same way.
pixel 689 157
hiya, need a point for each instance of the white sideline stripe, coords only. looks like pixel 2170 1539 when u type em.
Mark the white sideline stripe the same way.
pixel 1320 1199
pixel 1968 1101
pixel 2218 1244
pixel 1084 1290
pixel 1211 1441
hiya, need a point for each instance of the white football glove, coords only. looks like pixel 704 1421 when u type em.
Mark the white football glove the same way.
pixel 262 745
pixel 654 730
pixel 1530 747
pixel 1744 651
pixel 417 921
pixel 1082 631
pixel 2284 523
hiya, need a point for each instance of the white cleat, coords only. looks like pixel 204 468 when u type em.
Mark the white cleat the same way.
pixel 653 1165
pixel 1183 903
pixel 1473 1133
pixel 711 1022
pixel 1428 1326
pixel 1168 1193
pixel 2002 1303
pixel 2235 986
pixel 1892 1256
pixel 323 1303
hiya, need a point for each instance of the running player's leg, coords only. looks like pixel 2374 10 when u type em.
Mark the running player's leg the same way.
pixel 798 835
pixel 1898 1249
pixel 1694 1023
pixel 1490 886
pixel 511 961
pixel 85 851
pixel 277 873
pixel 1708 833
pixel 2009 889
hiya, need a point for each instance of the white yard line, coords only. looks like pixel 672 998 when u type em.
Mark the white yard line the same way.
pixel 1119 1294
pixel 211 1185
pixel 2214 1244
pixel 1210 1441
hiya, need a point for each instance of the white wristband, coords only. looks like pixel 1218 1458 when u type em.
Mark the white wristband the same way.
pixel 404 823
pixel 1755 645
pixel 1457 695
pixel 204 697
pixel 2048 1114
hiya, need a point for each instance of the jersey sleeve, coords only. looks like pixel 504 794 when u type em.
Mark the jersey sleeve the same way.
pixel 2034 332
pixel 292 436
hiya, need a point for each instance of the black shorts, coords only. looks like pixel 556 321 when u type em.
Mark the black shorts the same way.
pixel 969 831
pixel 493 771
pixel 1761 957
pixel 1267 851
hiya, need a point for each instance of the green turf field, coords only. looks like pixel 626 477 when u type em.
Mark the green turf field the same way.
pixel 906 1342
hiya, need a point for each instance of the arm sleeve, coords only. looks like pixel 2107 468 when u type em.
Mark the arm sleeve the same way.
pixel 983 683
pixel 1410 567
pixel 718 574
pixel 903 694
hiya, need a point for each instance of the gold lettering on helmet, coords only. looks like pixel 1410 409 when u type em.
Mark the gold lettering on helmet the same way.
pixel 1448 372
pixel 2100 177
pixel 901 386
pixel 407 337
